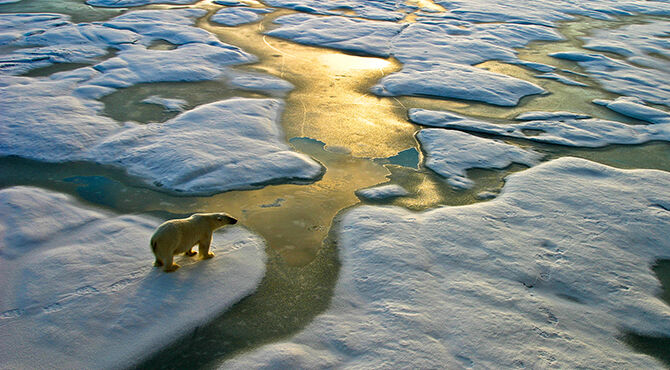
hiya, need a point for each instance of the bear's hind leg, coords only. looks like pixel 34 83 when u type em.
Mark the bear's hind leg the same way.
pixel 190 252
pixel 158 263
pixel 169 265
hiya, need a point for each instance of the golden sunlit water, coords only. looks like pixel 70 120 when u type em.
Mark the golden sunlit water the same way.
pixel 331 116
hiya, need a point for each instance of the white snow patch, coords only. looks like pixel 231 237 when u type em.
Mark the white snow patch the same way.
pixel 592 133
pixel 545 275
pixel 450 153
pixel 560 78
pixel 170 105
pixel 457 81
pixel 190 62
pixel 79 289
pixel 532 116
pixel 355 35
pixel 258 81
pixel 230 144
pixel 42 120
pixel 237 16
pixel 635 108
pixel 623 78
pixel 131 3
pixel 377 10
pixel 382 192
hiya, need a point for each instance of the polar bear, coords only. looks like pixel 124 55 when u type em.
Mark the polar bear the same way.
pixel 179 236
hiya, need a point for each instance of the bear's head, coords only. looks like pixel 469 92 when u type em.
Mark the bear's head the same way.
pixel 216 220
pixel 225 219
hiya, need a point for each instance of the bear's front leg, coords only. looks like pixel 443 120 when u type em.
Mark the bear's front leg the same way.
pixel 203 247
pixel 190 252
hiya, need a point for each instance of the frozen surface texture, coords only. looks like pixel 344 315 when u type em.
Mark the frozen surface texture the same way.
pixel 46 39
pixel 382 192
pixel 379 9
pixel 450 153
pixel 170 105
pixel 546 275
pixel 635 108
pixel 531 116
pixel 369 37
pixel 231 144
pixel 130 3
pixel 235 144
pixel 456 81
pixel 44 120
pixel 624 78
pixel 590 133
pixel 237 16
pixel 440 48
pixel 79 289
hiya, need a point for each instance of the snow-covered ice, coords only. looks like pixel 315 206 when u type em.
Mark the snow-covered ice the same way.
pixel 375 10
pixel 131 3
pixel 170 105
pixel 635 108
pixel 382 192
pixel 562 79
pixel 258 82
pixel 225 145
pixel 531 116
pixel 79 290
pixel 545 275
pixel 457 81
pixel 635 40
pixel 190 62
pixel 43 120
pixel 592 133
pixel 437 58
pixel 349 34
pixel 237 16
pixel 450 153
pixel 621 77
pixel 230 144
pixel 46 39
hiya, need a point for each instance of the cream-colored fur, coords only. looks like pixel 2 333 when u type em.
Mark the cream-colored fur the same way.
pixel 179 236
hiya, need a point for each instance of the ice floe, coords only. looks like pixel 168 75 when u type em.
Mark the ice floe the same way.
pixel 624 78
pixel 230 144
pixel 635 40
pixel 450 153
pixel 377 10
pixel 190 62
pixel 382 192
pixel 48 39
pixel 531 116
pixel 545 275
pixel 457 81
pixel 354 35
pixel 437 58
pixel 258 82
pixel 635 108
pixel 237 16
pixel 548 12
pixel 590 133
pixel 79 289
pixel 170 105
pixel 131 3
pixel 41 119
pixel 561 79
